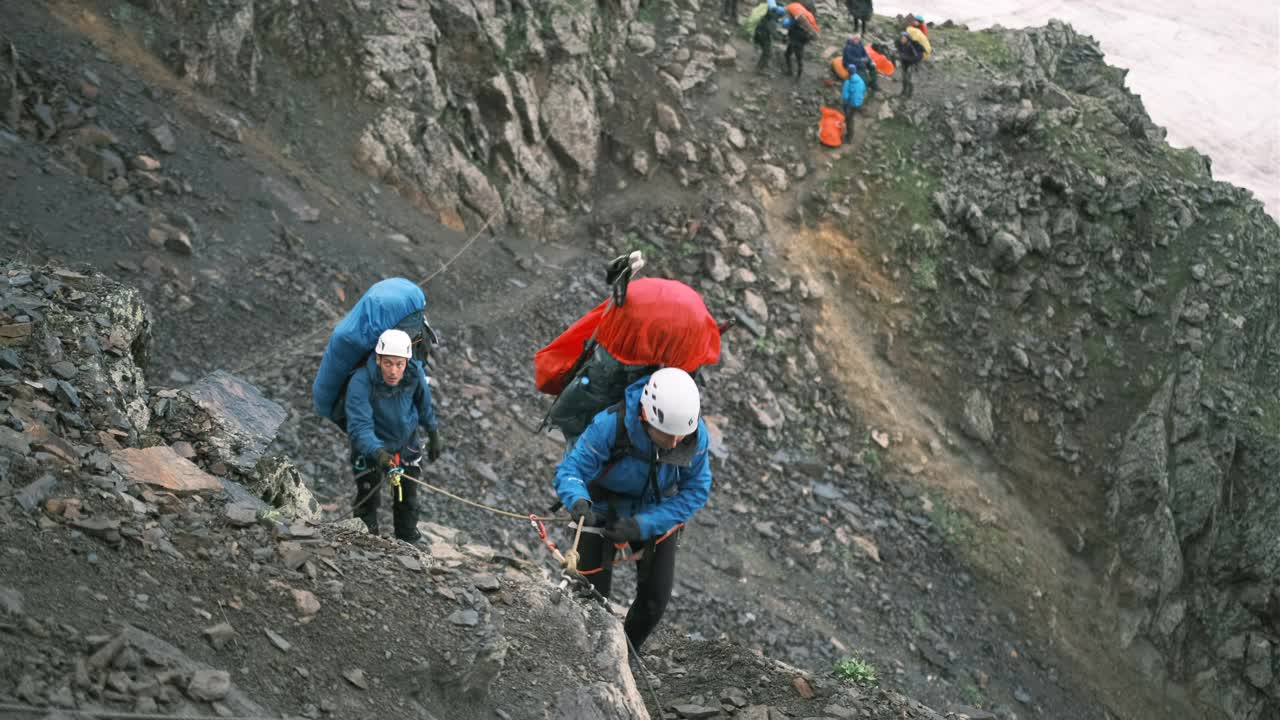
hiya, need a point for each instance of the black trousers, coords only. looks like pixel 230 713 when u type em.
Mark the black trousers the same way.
pixel 404 502
pixel 849 112
pixel 765 43
pixel 907 71
pixel 796 49
pixel 656 576
pixel 729 9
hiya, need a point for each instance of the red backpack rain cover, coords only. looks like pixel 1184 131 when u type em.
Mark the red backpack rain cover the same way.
pixel 662 322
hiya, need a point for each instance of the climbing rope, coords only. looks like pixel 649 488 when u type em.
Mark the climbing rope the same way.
pixel 305 339
pixel 479 505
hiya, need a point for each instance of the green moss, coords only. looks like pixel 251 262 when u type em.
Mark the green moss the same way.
pixel 987 46
pixel 954 525
pixel 924 276
pixel 516 45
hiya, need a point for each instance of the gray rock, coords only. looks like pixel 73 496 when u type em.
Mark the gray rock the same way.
pixel 755 305
pixel 1258 668
pixel 740 220
pixel 278 482
pixel 978 423
pixel 281 644
pixel 668 118
pixel 717 268
pixel 162 134
pixel 468 618
pixel 102 164
pixel 14 441
pixel 209 686
pixel 242 414
pixel 597 701
pixel 488 582
pixel 661 144
pixel 219 635
pixel 31 496
pixel 640 162
pixel 1007 251
pixel 573 127
pixel 695 712
pixel 641 44
pixel 64 369
pixel 179 243
pixel 10 601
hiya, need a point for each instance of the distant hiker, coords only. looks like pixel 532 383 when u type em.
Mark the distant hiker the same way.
pixel 917 21
pixel 909 56
pixel 861 11
pixel 763 25
pixel 857 60
pixel 852 94
pixel 640 500
pixel 919 37
pixel 854 55
pixel 729 10
pixel 386 402
pixel 801 29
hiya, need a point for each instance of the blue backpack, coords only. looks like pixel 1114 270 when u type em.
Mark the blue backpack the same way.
pixel 392 303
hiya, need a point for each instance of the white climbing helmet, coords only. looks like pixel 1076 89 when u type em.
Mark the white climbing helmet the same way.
pixel 671 402
pixel 395 343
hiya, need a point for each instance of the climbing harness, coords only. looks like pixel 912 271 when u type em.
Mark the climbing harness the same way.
pixel 394 476
pixel 565 558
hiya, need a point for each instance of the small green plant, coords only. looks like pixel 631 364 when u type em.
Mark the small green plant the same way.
pixel 651 11
pixel 856 670
pixel 954 524
pixel 871 458
pixel 973 695
pixel 122 14
pixel 925 274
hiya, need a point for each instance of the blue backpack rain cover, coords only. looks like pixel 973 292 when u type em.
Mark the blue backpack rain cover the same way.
pixel 391 303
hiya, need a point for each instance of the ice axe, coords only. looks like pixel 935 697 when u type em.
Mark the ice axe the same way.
pixel 620 272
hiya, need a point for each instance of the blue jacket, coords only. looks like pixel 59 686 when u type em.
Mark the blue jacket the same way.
pixel 385 416
pixel 854 90
pixel 684 489
pixel 855 56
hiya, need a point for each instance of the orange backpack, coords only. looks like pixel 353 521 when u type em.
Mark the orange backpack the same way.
pixel 831 128
pixel 837 67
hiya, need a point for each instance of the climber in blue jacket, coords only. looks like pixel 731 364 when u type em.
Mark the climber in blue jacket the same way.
pixel 852 93
pixel 387 401
pixel 638 471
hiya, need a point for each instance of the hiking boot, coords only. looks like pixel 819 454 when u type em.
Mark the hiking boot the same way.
pixel 420 541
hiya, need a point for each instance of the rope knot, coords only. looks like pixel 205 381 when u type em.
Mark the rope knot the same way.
pixel 571 559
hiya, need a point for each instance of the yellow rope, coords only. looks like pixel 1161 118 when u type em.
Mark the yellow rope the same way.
pixel 571 558
pixel 487 508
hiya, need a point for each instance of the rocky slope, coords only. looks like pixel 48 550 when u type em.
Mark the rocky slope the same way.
pixel 1104 316
pixel 134 580
pixel 1016 279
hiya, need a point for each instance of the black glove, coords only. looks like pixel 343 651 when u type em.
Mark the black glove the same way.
pixel 383 459
pixel 624 530
pixel 582 509
pixel 433 445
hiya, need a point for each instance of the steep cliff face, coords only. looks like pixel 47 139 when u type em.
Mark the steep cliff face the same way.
pixel 475 110
pixel 1119 310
